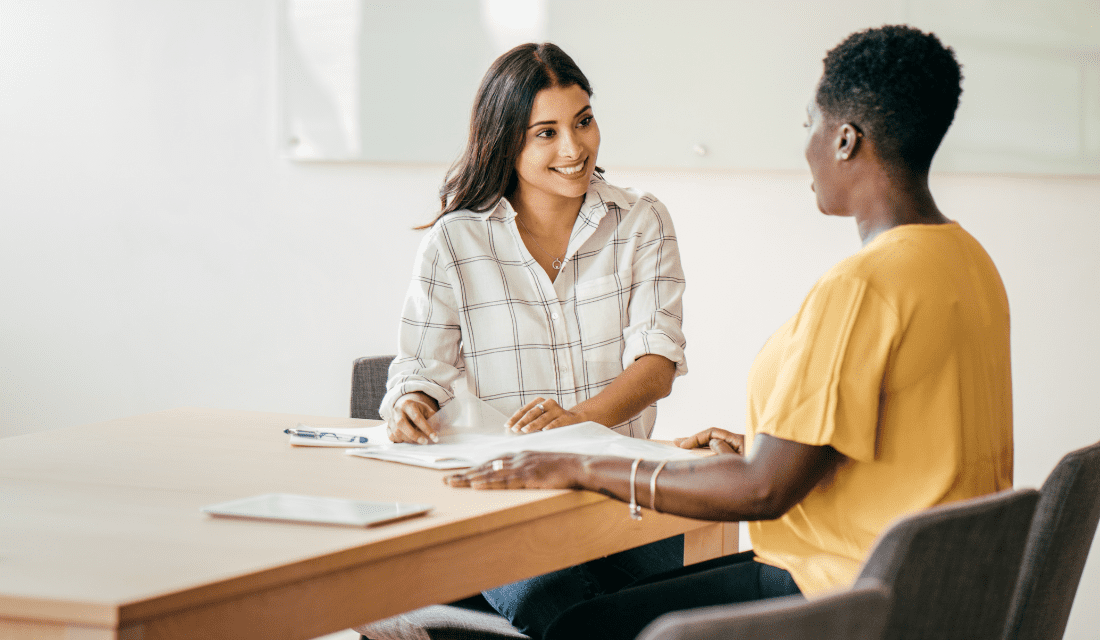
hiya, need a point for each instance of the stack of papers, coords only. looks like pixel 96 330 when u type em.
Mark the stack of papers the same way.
pixel 458 451
pixel 471 432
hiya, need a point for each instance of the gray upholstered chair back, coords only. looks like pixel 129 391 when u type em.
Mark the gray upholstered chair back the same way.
pixel 856 614
pixel 368 385
pixel 442 622
pixel 952 568
pixel 1061 534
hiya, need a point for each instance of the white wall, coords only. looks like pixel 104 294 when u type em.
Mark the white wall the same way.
pixel 154 251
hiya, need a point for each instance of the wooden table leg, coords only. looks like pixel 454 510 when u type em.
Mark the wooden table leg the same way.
pixel 705 543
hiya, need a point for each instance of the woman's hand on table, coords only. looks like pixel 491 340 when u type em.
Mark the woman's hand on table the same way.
pixel 717 440
pixel 409 422
pixel 540 415
pixel 526 470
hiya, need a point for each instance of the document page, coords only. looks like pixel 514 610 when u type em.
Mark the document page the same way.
pixel 472 432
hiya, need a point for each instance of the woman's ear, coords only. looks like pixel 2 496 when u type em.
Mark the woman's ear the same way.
pixel 848 141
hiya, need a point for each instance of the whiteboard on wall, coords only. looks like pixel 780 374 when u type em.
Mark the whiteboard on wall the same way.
pixel 692 84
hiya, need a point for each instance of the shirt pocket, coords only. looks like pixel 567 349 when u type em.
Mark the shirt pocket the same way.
pixel 601 310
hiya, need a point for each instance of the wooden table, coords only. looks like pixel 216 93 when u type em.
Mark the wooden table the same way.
pixel 101 535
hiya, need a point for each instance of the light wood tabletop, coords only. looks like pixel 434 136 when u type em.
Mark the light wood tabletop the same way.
pixel 101 536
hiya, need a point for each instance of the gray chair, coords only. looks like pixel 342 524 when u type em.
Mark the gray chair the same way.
pixel 442 622
pixel 1061 534
pixel 856 614
pixel 952 569
pixel 472 618
pixel 368 385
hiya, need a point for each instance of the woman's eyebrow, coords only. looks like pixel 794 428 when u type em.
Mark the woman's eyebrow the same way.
pixel 586 107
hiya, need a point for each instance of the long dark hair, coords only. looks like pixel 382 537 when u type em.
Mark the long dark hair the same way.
pixel 498 125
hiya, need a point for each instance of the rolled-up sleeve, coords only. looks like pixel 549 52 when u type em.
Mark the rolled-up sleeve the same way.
pixel 657 290
pixel 831 373
pixel 429 352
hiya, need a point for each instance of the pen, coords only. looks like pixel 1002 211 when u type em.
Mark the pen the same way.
pixel 310 433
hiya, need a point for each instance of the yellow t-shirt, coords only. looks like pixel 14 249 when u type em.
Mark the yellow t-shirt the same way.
pixel 899 360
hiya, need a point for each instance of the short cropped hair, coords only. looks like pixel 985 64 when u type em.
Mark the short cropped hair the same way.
pixel 899 85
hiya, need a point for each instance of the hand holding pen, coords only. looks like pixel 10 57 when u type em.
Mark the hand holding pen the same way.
pixel 409 422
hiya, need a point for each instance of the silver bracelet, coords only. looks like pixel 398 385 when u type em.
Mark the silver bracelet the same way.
pixel 635 510
pixel 653 485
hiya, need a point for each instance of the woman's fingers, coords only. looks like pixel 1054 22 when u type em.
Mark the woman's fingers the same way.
pixel 419 413
pixel 411 423
pixel 404 430
pixel 728 442
pixel 540 414
pixel 701 439
pixel 522 417
pixel 736 442
pixel 564 420
pixel 528 470
pixel 456 480
pixel 496 474
pixel 523 421
pixel 720 446
pixel 541 417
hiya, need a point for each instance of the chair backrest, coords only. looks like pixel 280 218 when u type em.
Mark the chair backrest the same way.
pixel 952 568
pixel 856 614
pixel 1061 534
pixel 368 385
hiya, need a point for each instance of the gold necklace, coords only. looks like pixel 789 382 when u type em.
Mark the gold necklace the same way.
pixel 557 264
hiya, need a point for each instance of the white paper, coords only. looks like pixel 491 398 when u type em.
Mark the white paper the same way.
pixel 472 432
pixel 466 414
pixel 459 451
pixel 460 419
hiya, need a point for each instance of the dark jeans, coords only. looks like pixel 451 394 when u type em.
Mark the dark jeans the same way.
pixel 623 614
pixel 532 604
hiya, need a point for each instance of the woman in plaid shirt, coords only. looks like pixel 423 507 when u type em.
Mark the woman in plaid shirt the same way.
pixel 556 295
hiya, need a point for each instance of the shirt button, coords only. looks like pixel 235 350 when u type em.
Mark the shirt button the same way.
pixel 554 315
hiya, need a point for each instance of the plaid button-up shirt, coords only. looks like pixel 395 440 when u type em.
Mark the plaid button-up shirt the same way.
pixel 480 305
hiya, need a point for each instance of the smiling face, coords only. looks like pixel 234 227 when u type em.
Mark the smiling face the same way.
pixel 559 152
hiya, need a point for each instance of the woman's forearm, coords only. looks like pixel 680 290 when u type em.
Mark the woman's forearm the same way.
pixel 722 487
pixel 725 487
pixel 641 384
pixel 716 488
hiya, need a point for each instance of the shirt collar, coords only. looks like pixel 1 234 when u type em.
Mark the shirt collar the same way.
pixel 502 210
pixel 592 210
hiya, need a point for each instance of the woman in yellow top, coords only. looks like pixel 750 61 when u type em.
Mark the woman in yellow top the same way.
pixel 888 392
